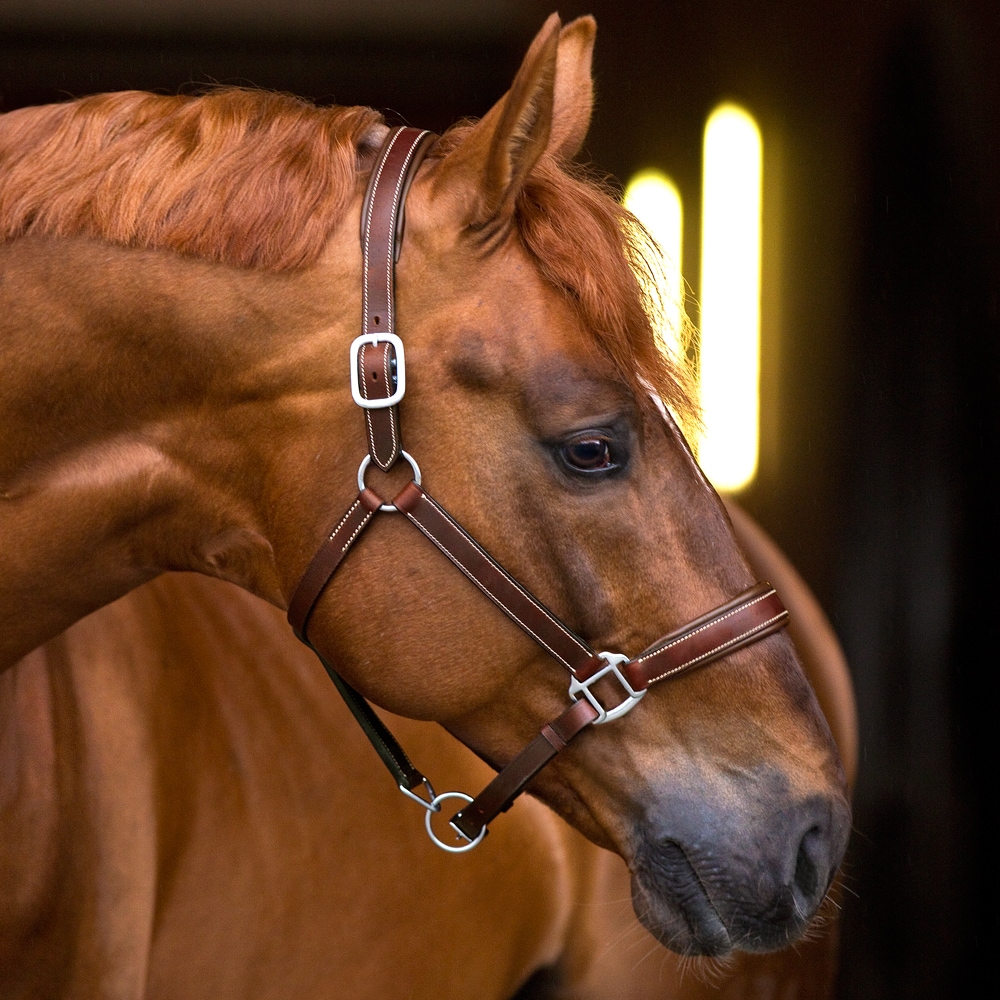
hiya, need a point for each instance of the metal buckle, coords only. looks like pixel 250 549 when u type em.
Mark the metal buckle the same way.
pixel 399 374
pixel 612 660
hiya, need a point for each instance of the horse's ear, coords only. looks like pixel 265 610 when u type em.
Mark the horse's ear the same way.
pixel 546 110
pixel 574 90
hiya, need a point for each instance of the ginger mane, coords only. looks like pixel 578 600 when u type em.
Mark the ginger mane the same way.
pixel 244 177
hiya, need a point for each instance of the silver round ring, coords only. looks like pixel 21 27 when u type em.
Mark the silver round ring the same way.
pixel 366 461
pixel 434 807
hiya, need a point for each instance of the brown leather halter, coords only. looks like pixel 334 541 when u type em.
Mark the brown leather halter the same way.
pixel 378 381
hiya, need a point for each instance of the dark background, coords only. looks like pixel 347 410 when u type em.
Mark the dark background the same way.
pixel 882 271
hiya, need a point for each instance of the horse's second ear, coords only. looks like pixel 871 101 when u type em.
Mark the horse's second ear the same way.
pixel 546 110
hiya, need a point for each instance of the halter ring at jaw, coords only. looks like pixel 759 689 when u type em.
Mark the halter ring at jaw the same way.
pixel 452 848
pixel 433 805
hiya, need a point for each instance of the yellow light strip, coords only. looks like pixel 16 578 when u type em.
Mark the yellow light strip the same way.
pixel 729 368
pixel 654 200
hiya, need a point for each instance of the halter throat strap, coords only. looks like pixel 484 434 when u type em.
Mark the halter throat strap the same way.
pixel 378 383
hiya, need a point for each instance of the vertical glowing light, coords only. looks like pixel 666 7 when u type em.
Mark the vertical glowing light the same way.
pixel 654 200
pixel 729 370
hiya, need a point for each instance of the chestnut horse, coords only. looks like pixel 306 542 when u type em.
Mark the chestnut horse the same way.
pixel 180 281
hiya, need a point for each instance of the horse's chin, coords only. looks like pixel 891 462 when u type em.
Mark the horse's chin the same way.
pixel 671 901
pixel 673 906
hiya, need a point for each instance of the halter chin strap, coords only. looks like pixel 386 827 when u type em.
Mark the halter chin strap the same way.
pixel 378 383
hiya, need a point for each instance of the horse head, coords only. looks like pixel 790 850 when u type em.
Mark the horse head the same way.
pixel 533 407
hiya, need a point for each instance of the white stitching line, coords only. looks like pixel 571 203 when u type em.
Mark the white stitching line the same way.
pixel 357 531
pixel 493 598
pixel 343 520
pixel 368 228
pixel 541 608
pixel 717 649
pixel 363 378
pixel 333 534
pixel 388 273
pixel 711 624
pixel 364 392
pixel 371 433
pixel 404 170
pixel 541 642
pixel 401 767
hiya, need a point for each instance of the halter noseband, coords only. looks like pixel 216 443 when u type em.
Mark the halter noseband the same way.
pixel 378 382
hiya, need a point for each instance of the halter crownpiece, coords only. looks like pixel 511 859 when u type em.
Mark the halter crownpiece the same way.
pixel 378 382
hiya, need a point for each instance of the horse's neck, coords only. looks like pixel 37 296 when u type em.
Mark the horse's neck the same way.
pixel 139 399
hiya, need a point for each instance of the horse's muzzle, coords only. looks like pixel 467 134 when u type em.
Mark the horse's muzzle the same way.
pixel 749 877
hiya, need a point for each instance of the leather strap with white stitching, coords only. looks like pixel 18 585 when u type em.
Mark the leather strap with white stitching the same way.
pixel 381 235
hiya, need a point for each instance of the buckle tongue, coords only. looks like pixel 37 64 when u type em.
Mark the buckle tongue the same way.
pixel 613 660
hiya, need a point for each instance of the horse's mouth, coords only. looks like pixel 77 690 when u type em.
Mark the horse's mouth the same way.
pixel 672 903
pixel 709 916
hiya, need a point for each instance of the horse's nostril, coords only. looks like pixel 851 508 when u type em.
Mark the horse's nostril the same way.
pixel 812 847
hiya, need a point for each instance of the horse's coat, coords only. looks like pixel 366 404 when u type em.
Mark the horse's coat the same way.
pixel 174 395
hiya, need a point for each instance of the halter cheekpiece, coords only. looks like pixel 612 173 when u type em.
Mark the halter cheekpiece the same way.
pixel 378 383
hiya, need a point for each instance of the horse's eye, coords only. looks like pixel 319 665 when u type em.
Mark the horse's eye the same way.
pixel 589 453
